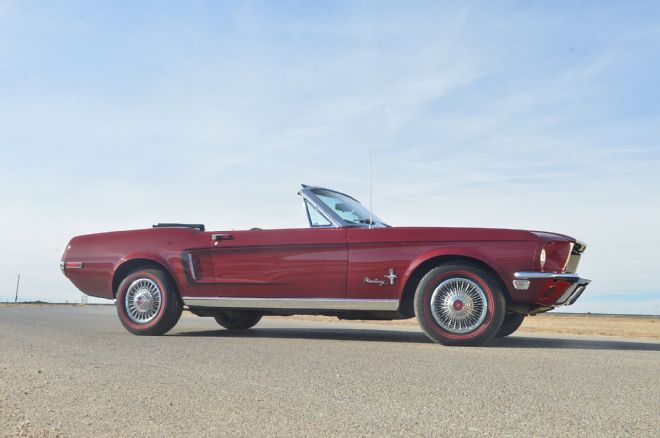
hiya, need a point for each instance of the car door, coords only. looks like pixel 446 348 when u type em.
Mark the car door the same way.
pixel 294 263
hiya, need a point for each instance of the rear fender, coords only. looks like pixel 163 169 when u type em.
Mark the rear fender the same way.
pixel 128 264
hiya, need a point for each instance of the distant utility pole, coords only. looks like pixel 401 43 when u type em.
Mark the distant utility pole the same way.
pixel 18 281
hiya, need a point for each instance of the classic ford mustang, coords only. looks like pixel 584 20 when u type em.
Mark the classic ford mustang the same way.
pixel 464 285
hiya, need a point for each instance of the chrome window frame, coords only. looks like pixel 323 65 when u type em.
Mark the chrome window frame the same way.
pixel 306 204
pixel 307 193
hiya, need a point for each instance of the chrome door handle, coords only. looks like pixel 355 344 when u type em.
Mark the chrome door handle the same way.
pixel 217 237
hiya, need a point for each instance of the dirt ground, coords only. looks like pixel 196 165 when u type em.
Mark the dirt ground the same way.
pixel 619 326
pixel 634 327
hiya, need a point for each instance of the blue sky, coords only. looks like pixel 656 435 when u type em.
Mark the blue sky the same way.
pixel 117 115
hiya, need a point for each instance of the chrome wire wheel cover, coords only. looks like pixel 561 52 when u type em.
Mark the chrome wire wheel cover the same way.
pixel 143 300
pixel 459 305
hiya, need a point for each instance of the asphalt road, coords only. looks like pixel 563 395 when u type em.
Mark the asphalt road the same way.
pixel 75 371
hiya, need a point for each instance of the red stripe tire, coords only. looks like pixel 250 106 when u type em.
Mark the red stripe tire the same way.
pixel 147 302
pixel 459 304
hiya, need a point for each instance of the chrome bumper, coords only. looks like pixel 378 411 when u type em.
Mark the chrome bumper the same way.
pixel 570 296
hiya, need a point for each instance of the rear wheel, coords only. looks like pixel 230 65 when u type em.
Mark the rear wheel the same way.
pixel 459 304
pixel 147 302
pixel 510 324
pixel 238 320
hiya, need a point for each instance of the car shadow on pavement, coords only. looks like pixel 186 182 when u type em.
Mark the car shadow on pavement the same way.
pixel 343 334
pixel 374 335
pixel 573 343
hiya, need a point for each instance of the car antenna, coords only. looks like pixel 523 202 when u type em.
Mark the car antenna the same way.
pixel 371 191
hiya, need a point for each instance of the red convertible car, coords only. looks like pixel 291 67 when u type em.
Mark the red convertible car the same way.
pixel 464 285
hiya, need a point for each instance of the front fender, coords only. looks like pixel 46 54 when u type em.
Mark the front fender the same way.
pixel 458 252
pixel 502 258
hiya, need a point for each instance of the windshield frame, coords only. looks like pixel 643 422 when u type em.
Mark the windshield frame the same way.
pixel 308 193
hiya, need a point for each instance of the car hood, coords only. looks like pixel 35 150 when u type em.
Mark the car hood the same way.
pixel 450 234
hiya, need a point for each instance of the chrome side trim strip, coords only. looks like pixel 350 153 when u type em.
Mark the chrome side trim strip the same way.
pixel 293 303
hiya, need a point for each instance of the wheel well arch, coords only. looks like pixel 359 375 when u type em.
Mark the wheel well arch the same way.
pixel 131 265
pixel 407 297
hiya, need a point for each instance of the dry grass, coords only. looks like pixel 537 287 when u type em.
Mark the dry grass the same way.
pixel 633 327
pixel 620 326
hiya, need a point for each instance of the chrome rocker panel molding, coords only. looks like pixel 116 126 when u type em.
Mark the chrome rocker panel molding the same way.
pixel 572 293
pixel 292 303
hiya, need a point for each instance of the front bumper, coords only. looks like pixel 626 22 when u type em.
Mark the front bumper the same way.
pixel 560 296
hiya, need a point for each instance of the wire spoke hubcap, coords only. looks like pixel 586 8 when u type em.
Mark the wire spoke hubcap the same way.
pixel 143 300
pixel 459 305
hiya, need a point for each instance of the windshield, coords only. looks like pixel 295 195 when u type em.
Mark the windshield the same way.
pixel 347 208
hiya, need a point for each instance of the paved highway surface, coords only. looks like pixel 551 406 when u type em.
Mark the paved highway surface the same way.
pixel 75 371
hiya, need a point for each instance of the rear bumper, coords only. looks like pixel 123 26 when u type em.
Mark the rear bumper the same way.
pixel 575 286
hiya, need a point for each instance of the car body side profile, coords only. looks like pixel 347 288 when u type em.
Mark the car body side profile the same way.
pixel 464 285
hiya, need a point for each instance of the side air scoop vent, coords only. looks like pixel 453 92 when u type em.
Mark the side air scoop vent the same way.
pixel 199 227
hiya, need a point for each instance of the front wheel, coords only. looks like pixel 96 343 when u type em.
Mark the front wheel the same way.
pixel 238 320
pixel 510 324
pixel 147 302
pixel 459 304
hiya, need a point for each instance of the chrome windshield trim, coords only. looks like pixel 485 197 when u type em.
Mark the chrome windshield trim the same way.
pixel 307 192
pixel 311 188
pixel 293 303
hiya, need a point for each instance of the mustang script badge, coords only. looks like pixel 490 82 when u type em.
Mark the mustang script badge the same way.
pixel 391 277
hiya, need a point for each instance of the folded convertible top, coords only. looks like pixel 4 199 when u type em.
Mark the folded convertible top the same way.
pixel 200 227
